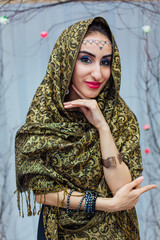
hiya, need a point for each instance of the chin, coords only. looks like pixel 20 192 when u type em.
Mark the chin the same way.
pixel 91 95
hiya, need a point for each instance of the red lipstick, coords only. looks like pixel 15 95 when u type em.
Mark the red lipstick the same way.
pixel 93 85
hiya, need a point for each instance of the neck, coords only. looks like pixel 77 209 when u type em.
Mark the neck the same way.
pixel 72 95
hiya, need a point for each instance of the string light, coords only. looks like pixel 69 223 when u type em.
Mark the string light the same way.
pixel 44 34
pixel 4 20
pixel 146 29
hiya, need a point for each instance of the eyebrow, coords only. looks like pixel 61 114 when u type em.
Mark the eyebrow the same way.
pixel 91 54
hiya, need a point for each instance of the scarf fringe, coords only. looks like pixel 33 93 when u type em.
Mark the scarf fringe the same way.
pixel 29 198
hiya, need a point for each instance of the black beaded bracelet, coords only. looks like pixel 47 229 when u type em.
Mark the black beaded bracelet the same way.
pixel 90 203
pixel 67 207
pixel 94 203
pixel 86 207
pixel 79 206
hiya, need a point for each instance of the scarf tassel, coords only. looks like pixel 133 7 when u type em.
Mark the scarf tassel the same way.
pixel 29 200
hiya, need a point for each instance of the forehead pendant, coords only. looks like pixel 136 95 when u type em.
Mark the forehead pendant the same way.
pixel 97 42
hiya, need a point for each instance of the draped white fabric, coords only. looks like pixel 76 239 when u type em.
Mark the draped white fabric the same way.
pixel 24 56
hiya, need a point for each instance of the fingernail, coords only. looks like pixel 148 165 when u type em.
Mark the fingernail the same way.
pixel 141 178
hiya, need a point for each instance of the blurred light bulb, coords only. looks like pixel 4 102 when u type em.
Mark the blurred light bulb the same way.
pixel 44 34
pixel 146 28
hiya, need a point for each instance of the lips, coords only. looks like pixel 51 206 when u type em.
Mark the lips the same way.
pixel 93 85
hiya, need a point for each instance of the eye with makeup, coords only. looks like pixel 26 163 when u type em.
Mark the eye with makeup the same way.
pixel 106 62
pixel 85 59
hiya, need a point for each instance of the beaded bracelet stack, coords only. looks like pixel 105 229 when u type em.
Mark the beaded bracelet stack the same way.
pixel 67 208
pixel 90 202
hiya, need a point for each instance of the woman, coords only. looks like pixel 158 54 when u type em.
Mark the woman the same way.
pixel 69 150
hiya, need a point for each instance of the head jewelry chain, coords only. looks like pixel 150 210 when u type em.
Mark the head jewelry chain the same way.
pixel 97 42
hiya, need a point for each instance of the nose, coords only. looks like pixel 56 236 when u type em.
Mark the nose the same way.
pixel 96 72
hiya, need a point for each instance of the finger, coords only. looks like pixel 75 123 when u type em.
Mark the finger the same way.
pixel 75 101
pixel 80 103
pixel 138 186
pixel 136 182
pixel 68 106
pixel 146 188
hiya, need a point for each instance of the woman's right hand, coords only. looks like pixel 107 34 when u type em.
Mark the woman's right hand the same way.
pixel 127 196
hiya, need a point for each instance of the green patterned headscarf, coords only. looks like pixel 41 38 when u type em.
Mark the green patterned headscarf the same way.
pixel 58 149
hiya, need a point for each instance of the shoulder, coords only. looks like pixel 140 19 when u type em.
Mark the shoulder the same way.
pixel 123 120
pixel 123 109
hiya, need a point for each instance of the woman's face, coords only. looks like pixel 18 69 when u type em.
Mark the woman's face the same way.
pixel 93 66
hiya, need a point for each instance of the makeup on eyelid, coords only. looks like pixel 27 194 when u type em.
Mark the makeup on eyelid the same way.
pixel 86 59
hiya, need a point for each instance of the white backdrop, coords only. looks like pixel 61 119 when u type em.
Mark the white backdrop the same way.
pixel 24 56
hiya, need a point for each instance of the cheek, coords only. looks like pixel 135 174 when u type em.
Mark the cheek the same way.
pixel 75 74
pixel 79 73
pixel 106 74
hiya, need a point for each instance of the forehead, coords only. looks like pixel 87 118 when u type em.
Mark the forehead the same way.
pixel 97 35
pixel 96 41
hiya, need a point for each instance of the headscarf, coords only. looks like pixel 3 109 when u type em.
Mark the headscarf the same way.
pixel 58 149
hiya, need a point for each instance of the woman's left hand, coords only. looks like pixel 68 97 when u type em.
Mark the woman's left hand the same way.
pixel 90 109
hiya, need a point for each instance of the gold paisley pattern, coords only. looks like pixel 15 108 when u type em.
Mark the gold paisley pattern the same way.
pixel 58 149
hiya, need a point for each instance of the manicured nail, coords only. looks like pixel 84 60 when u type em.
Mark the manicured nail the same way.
pixel 141 178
